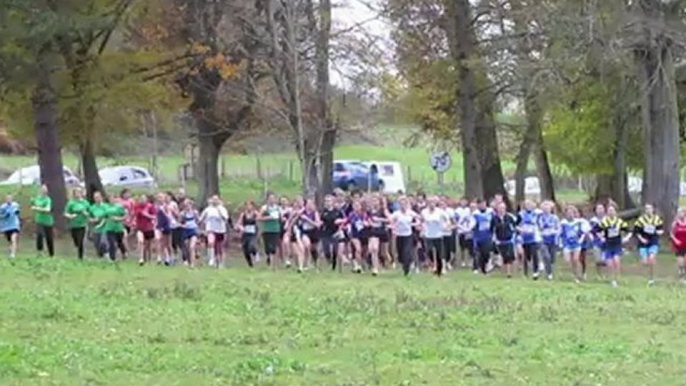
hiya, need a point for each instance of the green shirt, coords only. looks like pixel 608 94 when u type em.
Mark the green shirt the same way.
pixel 115 210
pixel 98 212
pixel 80 209
pixel 273 224
pixel 40 217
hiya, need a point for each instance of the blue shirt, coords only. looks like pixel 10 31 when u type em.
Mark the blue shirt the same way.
pixel 572 233
pixel 9 217
pixel 482 227
pixel 529 226
pixel 550 227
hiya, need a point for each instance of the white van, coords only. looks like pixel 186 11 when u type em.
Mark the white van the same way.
pixel 391 173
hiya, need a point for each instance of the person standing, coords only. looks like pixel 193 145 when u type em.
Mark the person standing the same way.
pixel 648 229
pixel 215 217
pixel 483 235
pixel 189 224
pixel 41 205
pixel 145 214
pixel 528 224
pixel 115 228
pixel 10 223
pixel 504 229
pixel 77 212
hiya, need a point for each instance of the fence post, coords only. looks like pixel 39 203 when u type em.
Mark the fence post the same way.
pixel 290 171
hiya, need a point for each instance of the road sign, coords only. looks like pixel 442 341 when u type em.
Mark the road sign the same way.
pixel 441 161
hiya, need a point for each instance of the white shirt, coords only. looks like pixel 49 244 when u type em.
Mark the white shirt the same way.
pixel 434 223
pixel 215 218
pixel 403 222
pixel 449 215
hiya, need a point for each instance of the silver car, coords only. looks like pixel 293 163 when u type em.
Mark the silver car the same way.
pixel 30 175
pixel 127 177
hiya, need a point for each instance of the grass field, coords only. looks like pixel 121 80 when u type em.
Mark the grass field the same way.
pixel 63 322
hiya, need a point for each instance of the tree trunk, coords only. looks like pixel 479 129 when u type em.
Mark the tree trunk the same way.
pixel 544 172
pixel 619 186
pixel 208 167
pixel 657 80
pixel 462 42
pixel 491 169
pixel 325 123
pixel 47 136
pixel 521 168
pixel 91 177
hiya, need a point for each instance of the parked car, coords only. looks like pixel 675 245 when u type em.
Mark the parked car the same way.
pixel 30 175
pixel 127 177
pixel 350 175
pixel 391 175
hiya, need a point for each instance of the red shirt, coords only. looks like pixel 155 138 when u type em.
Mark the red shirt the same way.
pixel 679 232
pixel 130 206
pixel 145 223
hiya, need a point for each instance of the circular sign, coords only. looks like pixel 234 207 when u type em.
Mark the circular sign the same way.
pixel 441 161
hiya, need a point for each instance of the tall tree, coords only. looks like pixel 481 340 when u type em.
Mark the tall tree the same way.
pixel 653 48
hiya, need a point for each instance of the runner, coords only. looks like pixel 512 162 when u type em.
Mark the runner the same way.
pixel 678 236
pixel 385 255
pixel 247 226
pixel 378 220
pixel 465 232
pixel 504 229
pixel 172 205
pixel 528 226
pixel 332 218
pixel 270 223
pixel 294 232
pixel 434 221
pixel 77 213
pixel 188 218
pixel 130 222
pixel 285 247
pixel 98 221
pixel 449 233
pixel 215 218
pixel 310 225
pixel 145 214
pixel 549 224
pixel 403 221
pixel 648 229
pixel 483 235
pixel 114 227
pixel 598 246
pixel 163 223
pixel 358 220
pixel 573 232
pixel 10 223
pixel 41 205
pixel 611 230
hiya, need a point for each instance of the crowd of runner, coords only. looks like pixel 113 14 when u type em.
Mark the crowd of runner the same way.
pixel 367 232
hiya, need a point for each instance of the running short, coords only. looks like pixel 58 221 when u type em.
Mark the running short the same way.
pixel 189 233
pixel 610 252
pixel 680 252
pixel 9 233
pixel 466 244
pixel 271 242
pixel 127 229
pixel 381 234
pixel 313 235
pixel 571 249
pixel 646 252
pixel 449 244
pixel 148 235
pixel 506 251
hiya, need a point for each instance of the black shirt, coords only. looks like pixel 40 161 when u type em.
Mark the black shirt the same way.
pixel 504 228
pixel 328 218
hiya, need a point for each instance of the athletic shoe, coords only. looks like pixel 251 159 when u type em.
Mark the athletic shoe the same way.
pixel 651 283
pixel 288 263
pixel 535 276
pixel 141 262
pixel 212 263
pixel 550 277
pixel 476 272
pixel 257 257
pixel 375 272
pixel 614 283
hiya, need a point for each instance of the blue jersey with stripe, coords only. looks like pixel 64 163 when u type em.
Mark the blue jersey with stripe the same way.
pixel 550 227
pixel 9 217
pixel 572 233
pixel 482 226
pixel 529 226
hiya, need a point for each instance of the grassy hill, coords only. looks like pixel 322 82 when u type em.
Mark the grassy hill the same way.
pixel 93 323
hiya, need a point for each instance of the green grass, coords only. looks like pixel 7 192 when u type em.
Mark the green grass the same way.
pixel 68 323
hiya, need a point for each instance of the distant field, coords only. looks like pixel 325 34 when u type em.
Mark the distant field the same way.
pixel 68 323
